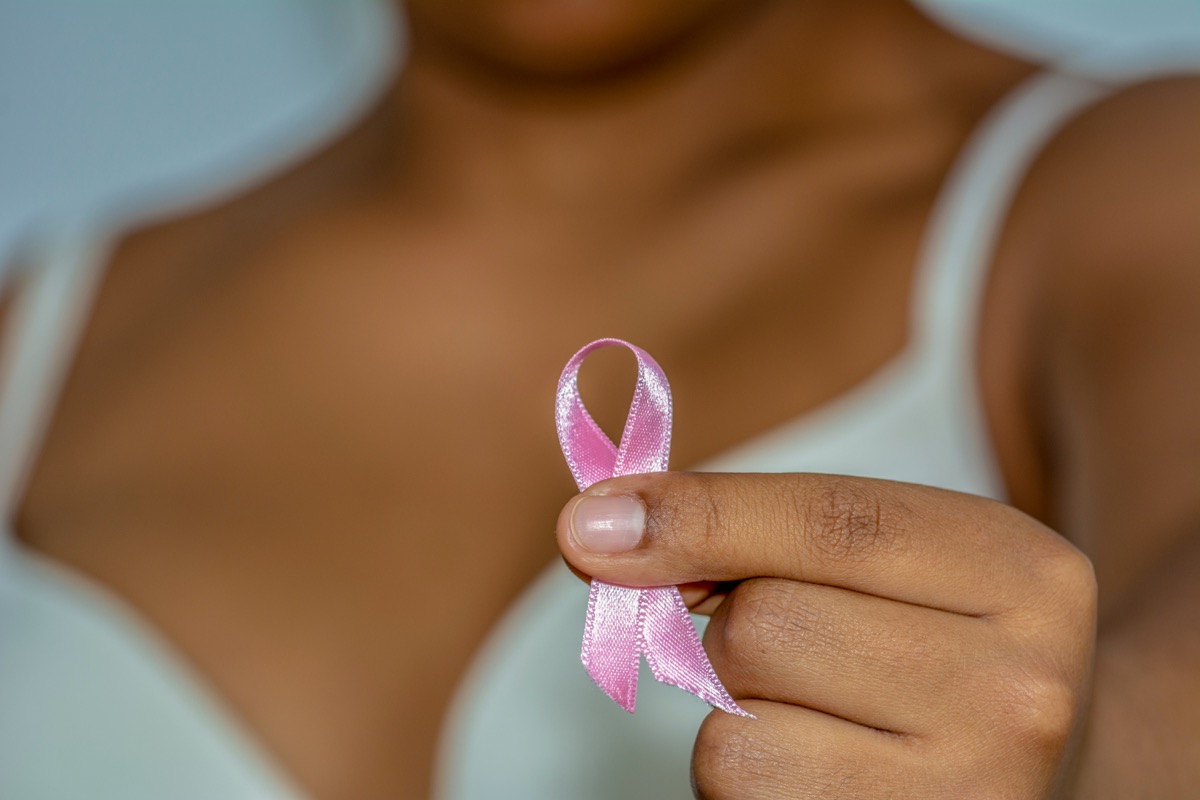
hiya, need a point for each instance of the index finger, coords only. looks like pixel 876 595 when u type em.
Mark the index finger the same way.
pixel 911 543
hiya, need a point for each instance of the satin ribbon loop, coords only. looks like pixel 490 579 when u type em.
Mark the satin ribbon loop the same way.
pixel 625 623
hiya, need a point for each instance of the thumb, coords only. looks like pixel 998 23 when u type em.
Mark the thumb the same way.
pixel 665 529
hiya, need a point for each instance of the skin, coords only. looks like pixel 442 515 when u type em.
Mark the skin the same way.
pixel 892 640
pixel 275 415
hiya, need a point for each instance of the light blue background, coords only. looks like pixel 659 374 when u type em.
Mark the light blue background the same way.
pixel 114 109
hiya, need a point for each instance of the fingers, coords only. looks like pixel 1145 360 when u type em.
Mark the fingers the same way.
pixel 792 752
pixel 886 665
pixel 916 544
pixel 894 640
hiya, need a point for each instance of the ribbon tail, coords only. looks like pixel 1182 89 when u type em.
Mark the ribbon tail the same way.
pixel 674 652
pixel 612 645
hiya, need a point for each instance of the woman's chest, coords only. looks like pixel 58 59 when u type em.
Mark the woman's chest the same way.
pixel 324 480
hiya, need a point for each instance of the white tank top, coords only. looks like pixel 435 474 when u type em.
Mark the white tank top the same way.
pixel 95 703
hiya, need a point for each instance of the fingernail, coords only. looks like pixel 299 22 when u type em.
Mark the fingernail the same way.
pixel 609 523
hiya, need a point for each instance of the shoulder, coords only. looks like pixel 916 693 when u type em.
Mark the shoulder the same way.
pixel 1106 225
pixel 1115 196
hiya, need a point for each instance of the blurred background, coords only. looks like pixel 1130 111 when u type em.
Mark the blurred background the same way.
pixel 123 110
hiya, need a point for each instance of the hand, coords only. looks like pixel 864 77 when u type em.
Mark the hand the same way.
pixel 893 640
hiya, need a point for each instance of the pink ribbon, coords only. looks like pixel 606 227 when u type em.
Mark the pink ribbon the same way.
pixel 624 623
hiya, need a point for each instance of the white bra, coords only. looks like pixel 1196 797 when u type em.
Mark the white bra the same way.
pixel 94 703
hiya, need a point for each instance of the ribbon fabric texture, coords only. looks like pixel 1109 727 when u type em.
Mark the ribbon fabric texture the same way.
pixel 624 623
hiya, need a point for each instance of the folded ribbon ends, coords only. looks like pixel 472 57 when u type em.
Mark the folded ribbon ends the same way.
pixel 624 623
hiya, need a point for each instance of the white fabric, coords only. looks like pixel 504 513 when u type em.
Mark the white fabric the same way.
pixel 93 703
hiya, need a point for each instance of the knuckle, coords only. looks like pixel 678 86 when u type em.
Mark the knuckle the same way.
pixel 1037 711
pixel 736 758
pixel 730 759
pixel 763 618
pixel 846 520
pixel 1073 580
pixel 1065 591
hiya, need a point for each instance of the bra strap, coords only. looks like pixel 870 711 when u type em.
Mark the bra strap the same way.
pixel 973 207
pixel 53 295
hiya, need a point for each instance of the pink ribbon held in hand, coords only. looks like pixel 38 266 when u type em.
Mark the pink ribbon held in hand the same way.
pixel 623 623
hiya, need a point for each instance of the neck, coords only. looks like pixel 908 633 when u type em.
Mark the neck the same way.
pixel 621 142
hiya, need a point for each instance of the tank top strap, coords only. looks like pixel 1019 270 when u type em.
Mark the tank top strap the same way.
pixel 970 212
pixel 51 295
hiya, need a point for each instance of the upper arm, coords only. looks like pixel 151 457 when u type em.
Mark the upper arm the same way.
pixel 1118 356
